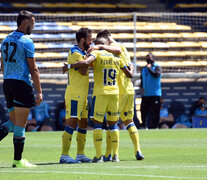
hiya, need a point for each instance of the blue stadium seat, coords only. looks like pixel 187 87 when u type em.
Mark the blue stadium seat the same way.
pixel 199 121
pixel 5 5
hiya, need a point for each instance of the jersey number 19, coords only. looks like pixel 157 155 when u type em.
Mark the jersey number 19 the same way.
pixel 109 77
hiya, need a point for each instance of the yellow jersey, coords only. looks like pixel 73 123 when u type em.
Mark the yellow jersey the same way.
pixel 77 84
pixel 106 69
pixel 124 83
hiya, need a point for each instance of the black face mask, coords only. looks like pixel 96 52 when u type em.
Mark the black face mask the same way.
pixel 149 61
pixel 202 105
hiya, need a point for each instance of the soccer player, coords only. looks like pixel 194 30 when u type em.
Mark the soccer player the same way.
pixel 105 100
pixel 17 63
pixel 126 97
pixel 76 99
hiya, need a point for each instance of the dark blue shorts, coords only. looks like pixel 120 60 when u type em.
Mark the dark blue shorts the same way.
pixel 18 94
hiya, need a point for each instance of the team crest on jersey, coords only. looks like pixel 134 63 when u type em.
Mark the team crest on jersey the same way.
pixel 127 113
pixel 109 113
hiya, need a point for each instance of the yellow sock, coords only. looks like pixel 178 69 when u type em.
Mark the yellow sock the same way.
pixel 97 140
pixel 81 141
pixel 66 142
pixel 133 132
pixel 115 142
pixel 108 143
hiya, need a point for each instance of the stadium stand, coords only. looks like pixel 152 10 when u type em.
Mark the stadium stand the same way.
pixel 65 7
pixel 179 44
pixel 74 6
pixel 186 5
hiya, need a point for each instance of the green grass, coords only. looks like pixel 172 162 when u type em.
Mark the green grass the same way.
pixel 169 154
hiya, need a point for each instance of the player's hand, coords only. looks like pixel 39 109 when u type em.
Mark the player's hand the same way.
pixel 149 65
pixel 38 98
pixel 92 48
pixel 65 68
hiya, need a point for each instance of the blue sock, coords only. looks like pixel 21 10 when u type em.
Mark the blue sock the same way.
pixel 9 125
pixel 113 127
pixel 69 129
pixel 19 131
pixel 97 126
pixel 3 132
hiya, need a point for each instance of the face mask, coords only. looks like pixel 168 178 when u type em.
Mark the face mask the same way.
pixel 202 105
pixel 149 61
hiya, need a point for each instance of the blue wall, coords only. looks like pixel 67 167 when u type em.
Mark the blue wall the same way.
pixel 186 92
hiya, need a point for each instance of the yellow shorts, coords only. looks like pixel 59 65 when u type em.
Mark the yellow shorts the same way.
pixel 105 104
pixel 76 108
pixel 126 106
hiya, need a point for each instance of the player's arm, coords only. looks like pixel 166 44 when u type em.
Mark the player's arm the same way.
pixel 36 79
pixel 170 118
pixel 83 70
pixel 127 72
pixel 79 64
pixel 111 49
pixel 82 65
pixel 131 69
pixel 125 69
pixel 155 73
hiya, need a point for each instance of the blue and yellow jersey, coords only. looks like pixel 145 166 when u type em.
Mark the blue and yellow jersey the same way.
pixel 106 68
pixel 124 83
pixel 77 84
pixel 15 50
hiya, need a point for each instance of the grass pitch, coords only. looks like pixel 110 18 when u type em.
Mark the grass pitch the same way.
pixel 169 154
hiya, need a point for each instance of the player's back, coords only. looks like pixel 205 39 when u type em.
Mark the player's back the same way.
pixel 125 84
pixel 77 84
pixel 106 70
pixel 16 48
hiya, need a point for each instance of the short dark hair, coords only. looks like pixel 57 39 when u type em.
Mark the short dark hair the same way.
pixel 103 33
pixel 24 15
pixel 151 55
pixel 82 33
pixel 203 98
pixel 100 40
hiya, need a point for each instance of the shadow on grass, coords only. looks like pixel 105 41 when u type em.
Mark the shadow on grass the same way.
pixel 45 164
pixel 39 164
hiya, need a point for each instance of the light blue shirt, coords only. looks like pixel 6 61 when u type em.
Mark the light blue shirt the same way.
pixel 16 48
pixel 41 112
pixel 151 85
pixel 164 112
pixel 199 112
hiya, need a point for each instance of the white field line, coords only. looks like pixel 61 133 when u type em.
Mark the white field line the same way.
pixel 161 167
pixel 135 167
pixel 104 174
pixel 144 167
